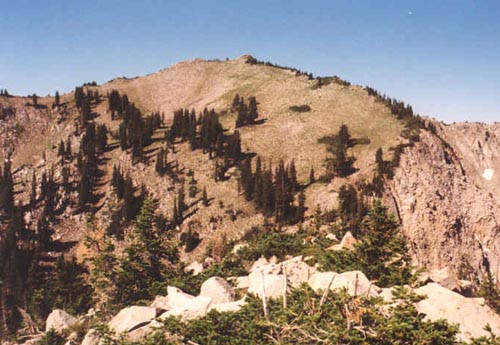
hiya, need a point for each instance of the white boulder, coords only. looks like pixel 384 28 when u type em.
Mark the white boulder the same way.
pixel 178 299
pixel 131 318
pixel 297 271
pixel 469 313
pixel 195 267
pixel 91 338
pixel 218 289
pixel 348 242
pixel 140 333
pixel 161 303
pixel 242 282
pixel 272 285
pixel 59 320
pixel 195 307
pixel 268 267
pixel 229 306
pixel 355 282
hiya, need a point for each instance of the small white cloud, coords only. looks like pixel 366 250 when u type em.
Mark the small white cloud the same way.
pixel 488 174
pixel 410 13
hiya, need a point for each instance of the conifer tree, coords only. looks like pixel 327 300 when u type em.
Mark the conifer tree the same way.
pixel 301 208
pixel 101 138
pixel 246 178
pixel 379 161
pixel 234 146
pixel 258 180
pixel 236 103
pixel 181 200
pixel 160 164
pixel 65 173
pixel 490 291
pixel 253 112
pixel 85 111
pixel 122 134
pixel 84 186
pixel 33 191
pixel 79 96
pixel 7 190
pixel 57 99
pixel 43 232
pixel 312 178
pixel 61 150
pixel 293 177
pixel 128 199
pixel 67 150
pixel 268 192
pixel 344 137
pixel 340 164
pixel 205 197
pixel 118 182
pixel 242 118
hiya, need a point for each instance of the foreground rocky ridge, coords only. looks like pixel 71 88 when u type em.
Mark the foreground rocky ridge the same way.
pixel 270 280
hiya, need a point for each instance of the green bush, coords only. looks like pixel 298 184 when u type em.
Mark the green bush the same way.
pixel 52 338
pixel 304 108
pixel 382 253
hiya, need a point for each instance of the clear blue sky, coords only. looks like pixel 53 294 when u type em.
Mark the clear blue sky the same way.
pixel 441 56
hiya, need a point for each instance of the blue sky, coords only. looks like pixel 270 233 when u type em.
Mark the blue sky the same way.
pixel 443 57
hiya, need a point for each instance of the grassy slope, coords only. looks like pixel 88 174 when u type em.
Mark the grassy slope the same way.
pixel 284 135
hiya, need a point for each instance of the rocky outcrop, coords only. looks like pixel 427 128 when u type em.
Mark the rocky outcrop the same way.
pixel 59 320
pixel 470 314
pixel 446 193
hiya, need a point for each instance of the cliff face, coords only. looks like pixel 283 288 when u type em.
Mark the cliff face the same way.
pixel 446 191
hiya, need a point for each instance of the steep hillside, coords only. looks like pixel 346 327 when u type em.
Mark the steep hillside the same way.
pixel 445 189
pixel 61 197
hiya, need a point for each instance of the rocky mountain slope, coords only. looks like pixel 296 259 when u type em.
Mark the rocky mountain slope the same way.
pixel 446 188
pixel 443 185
